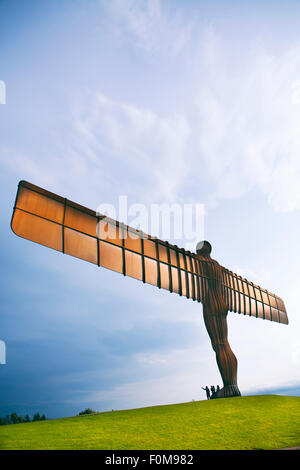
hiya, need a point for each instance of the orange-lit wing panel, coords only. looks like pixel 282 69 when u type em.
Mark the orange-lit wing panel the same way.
pixel 38 230
pixel 38 204
pixel 110 231
pixel 80 245
pixel 133 264
pixel 111 256
pixel 54 221
pixel 81 221
pixel 244 297
pixel 151 271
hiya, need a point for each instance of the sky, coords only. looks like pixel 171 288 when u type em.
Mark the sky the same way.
pixel 186 102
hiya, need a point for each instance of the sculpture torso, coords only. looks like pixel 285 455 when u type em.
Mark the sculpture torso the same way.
pixel 213 302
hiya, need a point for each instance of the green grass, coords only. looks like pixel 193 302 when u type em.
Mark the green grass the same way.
pixel 252 422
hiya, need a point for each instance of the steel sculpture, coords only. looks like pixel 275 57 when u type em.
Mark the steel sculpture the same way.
pixel 56 222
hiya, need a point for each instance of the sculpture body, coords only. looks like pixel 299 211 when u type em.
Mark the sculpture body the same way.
pixel 215 311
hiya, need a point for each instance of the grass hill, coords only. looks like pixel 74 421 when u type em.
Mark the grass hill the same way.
pixel 251 422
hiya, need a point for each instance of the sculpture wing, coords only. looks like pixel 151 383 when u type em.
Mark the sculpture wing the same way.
pixel 55 222
pixel 245 297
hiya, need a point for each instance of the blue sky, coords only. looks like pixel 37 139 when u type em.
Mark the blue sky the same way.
pixel 162 101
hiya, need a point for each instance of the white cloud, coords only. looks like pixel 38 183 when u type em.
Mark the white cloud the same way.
pixel 150 147
pixel 150 25
pixel 239 125
pixel 247 131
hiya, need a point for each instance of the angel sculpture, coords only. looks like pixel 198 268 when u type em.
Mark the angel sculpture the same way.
pixel 56 222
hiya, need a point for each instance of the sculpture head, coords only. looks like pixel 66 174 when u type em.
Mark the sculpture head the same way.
pixel 203 248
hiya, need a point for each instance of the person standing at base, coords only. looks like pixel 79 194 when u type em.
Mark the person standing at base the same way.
pixel 207 392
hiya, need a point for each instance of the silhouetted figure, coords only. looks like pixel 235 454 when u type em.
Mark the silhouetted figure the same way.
pixel 215 312
pixel 214 392
pixel 207 392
